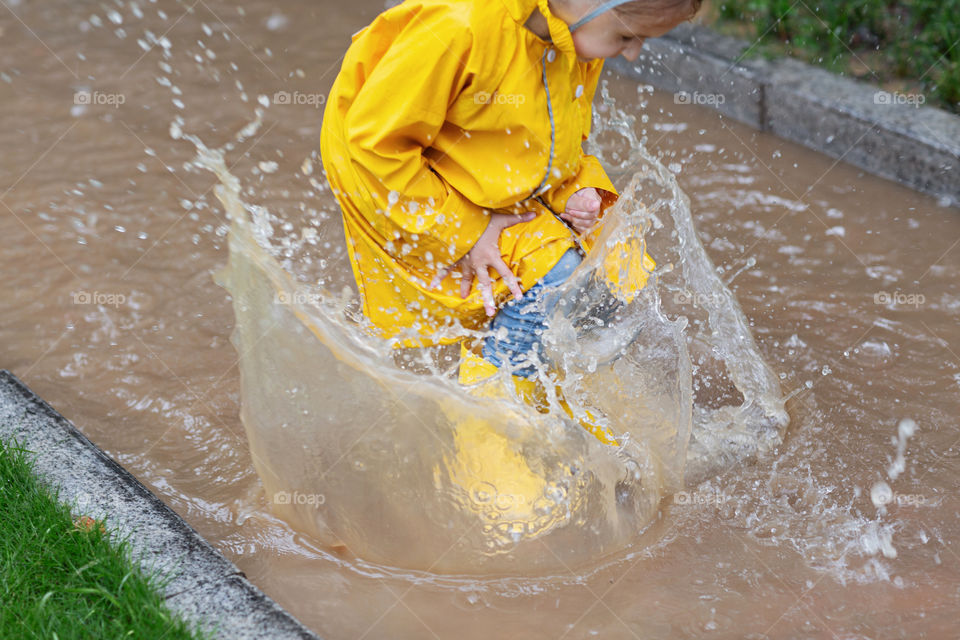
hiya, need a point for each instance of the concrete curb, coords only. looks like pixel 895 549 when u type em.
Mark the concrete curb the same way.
pixel 885 134
pixel 203 586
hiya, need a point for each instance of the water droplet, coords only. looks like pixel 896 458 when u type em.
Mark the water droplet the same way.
pixel 277 21
pixel 906 428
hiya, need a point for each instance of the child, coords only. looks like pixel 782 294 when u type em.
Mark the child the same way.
pixel 452 141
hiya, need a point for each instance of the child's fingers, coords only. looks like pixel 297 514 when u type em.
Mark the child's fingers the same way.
pixel 582 215
pixel 580 221
pixel 466 279
pixel 435 283
pixel 589 206
pixel 486 291
pixel 508 220
pixel 587 199
pixel 509 278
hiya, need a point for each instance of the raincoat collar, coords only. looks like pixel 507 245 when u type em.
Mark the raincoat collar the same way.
pixel 560 35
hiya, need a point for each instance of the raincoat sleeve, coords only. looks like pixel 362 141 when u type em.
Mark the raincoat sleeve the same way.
pixel 591 173
pixel 396 115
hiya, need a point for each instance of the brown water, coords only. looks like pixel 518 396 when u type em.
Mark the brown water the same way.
pixel 109 311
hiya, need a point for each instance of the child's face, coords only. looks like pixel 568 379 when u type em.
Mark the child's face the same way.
pixel 611 34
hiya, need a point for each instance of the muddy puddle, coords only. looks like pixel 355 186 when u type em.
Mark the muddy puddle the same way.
pixel 108 309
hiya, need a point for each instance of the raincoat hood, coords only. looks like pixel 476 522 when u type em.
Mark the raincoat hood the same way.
pixel 560 35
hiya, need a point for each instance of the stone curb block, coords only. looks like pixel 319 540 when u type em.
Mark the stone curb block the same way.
pixel 882 133
pixel 203 586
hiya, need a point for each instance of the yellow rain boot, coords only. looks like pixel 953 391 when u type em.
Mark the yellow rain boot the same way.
pixel 474 370
pixel 487 465
pixel 590 422
pixel 499 485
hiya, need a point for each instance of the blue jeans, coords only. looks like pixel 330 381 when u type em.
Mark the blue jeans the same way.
pixel 516 332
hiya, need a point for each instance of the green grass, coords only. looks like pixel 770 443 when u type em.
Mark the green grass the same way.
pixel 59 580
pixel 909 45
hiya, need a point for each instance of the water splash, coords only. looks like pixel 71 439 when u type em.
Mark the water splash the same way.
pixel 739 412
pixel 878 538
pixel 404 467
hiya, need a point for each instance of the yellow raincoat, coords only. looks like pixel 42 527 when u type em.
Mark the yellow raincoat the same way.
pixel 438 117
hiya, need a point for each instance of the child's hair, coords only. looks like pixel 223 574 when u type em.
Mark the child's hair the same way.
pixel 648 7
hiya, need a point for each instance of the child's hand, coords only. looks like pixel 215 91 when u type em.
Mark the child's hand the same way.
pixel 484 255
pixel 583 209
